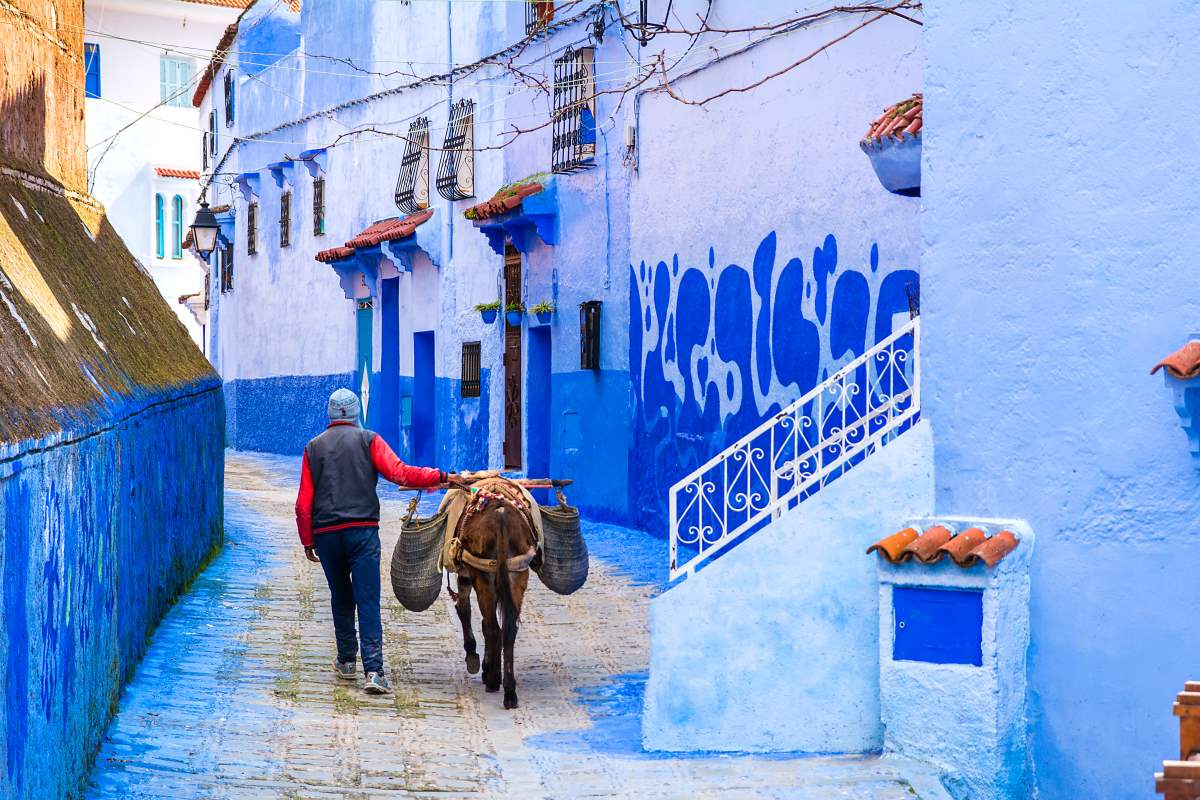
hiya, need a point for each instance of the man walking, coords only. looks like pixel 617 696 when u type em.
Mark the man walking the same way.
pixel 337 516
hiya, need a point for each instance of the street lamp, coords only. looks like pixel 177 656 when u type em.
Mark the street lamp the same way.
pixel 204 230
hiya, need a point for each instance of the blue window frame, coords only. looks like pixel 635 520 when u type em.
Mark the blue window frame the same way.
pixel 177 227
pixel 91 63
pixel 159 234
pixel 174 78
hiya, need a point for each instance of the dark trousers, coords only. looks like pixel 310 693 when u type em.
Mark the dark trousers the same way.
pixel 350 559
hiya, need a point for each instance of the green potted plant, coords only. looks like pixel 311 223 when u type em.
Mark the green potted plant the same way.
pixel 543 311
pixel 488 311
pixel 513 313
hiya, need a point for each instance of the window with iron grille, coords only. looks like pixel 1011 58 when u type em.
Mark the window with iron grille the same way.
pixel 251 229
pixel 229 98
pixel 455 178
pixel 589 335
pixel 319 207
pixel 470 369
pixel 538 14
pixel 226 267
pixel 285 219
pixel 412 186
pixel 212 135
pixel 574 122
pixel 204 150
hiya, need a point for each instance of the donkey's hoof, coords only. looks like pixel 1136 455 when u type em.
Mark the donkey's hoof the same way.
pixel 491 687
pixel 510 700
pixel 472 663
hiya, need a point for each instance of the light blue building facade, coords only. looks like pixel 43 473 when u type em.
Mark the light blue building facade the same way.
pixel 741 253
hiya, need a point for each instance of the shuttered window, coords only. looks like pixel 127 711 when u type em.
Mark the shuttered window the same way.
pixel 177 227
pixel 160 233
pixel 470 383
pixel 174 81
pixel 229 98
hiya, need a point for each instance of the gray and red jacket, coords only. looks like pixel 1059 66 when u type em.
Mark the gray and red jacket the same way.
pixel 338 476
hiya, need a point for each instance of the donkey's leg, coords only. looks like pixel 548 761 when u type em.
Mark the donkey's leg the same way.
pixel 463 606
pixel 517 583
pixel 491 635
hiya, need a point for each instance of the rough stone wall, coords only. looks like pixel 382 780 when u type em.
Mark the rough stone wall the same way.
pixel 41 89
pixel 111 428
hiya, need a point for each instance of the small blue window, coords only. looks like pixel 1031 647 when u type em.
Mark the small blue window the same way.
pixel 159 234
pixel 177 227
pixel 939 626
pixel 91 62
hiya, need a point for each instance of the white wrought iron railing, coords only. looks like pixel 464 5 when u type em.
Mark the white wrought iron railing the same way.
pixel 797 451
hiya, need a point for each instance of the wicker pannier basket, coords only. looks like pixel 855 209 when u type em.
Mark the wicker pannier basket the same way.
pixel 416 579
pixel 563 564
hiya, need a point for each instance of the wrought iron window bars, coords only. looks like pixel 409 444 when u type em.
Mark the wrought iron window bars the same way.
pixel 227 267
pixel 471 373
pixel 455 178
pixel 412 185
pixel 285 219
pixel 538 14
pixel 229 98
pixel 319 207
pixel 574 120
pixel 251 229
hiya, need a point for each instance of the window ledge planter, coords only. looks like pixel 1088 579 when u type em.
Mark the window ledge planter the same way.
pixel 543 313
pixel 514 313
pixel 488 311
pixel 893 144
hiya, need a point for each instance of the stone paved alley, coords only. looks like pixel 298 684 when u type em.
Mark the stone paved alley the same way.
pixel 235 697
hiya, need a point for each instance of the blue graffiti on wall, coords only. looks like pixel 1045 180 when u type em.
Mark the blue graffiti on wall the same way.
pixel 715 350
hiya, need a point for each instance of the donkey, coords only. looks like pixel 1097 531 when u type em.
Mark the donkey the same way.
pixel 498 544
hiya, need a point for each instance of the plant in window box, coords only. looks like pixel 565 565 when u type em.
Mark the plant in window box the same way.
pixel 488 311
pixel 543 311
pixel 513 313
pixel 893 143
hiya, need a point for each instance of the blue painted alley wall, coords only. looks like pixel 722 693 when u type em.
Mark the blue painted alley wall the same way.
pixel 101 533
pixel 1059 266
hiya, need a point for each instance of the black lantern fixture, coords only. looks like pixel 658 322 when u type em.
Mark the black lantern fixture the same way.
pixel 645 30
pixel 204 230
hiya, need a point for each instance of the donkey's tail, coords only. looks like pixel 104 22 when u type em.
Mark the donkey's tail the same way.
pixel 508 607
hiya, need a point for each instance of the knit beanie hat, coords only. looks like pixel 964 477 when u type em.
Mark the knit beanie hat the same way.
pixel 344 405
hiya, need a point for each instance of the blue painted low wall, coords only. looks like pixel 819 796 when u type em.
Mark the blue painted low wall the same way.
pixel 775 646
pixel 102 530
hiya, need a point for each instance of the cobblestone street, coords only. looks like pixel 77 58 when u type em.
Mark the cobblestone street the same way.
pixel 235 697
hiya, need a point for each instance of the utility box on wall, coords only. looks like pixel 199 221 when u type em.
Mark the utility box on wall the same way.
pixel 953 638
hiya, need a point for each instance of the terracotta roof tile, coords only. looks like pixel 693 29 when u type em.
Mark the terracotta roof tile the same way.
pixel 334 254
pixel 388 230
pixel 968 548
pixel 1183 363
pixel 182 174
pixel 222 3
pixel 960 547
pixel 218 59
pixel 902 117
pixel 927 547
pixel 503 201
pixel 892 548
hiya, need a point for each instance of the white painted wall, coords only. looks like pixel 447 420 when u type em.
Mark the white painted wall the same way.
pixel 124 179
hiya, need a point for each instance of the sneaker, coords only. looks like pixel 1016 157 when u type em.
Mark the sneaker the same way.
pixel 344 669
pixel 377 683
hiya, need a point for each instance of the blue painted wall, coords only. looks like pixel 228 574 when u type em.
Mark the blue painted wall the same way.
pixel 709 344
pixel 1059 266
pixel 101 533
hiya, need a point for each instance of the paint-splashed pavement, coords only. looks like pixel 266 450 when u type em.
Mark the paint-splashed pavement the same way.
pixel 236 699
